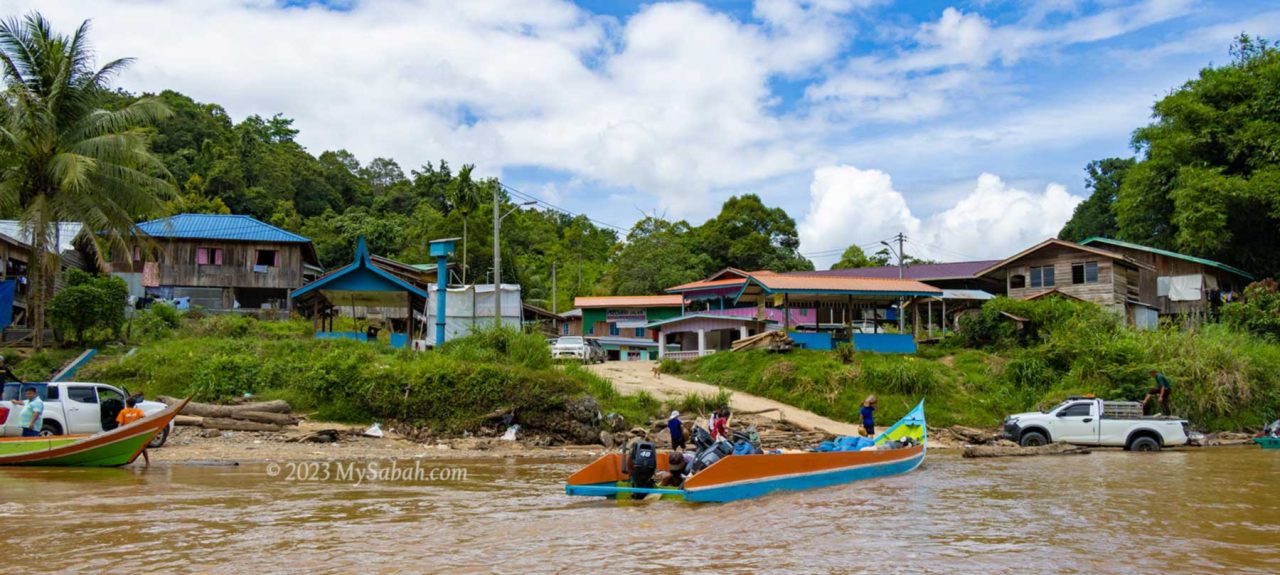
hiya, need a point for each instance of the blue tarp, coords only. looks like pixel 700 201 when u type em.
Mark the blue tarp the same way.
pixel 7 290
pixel 811 340
pixel 848 443
pixel 884 342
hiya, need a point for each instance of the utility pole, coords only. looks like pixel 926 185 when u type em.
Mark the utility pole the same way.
pixel 902 272
pixel 553 287
pixel 497 262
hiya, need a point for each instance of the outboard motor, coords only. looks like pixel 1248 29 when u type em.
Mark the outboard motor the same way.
pixel 701 438
pixel 713 453
pixel 644 464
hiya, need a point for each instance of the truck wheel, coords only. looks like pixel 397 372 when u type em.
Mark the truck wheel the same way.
pixel 158 441
pixel 50 428
pixel 1144 443
pixel 1033 439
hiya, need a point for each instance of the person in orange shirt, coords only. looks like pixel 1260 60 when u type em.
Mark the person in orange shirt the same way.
pixel 130 413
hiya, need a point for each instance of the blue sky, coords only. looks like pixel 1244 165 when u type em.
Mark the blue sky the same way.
pixel 966 125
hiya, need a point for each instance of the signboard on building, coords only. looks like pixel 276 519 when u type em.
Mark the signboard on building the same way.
pixel 625 318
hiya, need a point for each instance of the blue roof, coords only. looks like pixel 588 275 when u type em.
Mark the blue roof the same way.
pixel 360 275
pixel 218 227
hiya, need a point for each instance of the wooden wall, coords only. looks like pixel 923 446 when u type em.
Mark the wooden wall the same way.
pixel 177 264
pixel 1166 266
pixel 1115 285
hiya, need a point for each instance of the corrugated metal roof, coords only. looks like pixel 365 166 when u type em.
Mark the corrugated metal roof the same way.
pixel 629 301
pixel 704 284
pixel 218 227
pixel 1064 244
pixel 971 294
pixel 919 272
pixel 67 231
pixel 803 283
pixel 688 317
pixel 1201 261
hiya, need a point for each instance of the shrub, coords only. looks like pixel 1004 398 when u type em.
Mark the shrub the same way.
pixel 90 306
pixel 1258 312
pixel 155 322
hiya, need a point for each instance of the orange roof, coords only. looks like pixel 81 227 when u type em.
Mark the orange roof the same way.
pixel 629 301
pixel 801 283
pixel 711 282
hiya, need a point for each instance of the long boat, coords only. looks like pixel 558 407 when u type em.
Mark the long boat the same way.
pixel 114 448
pixel 744 476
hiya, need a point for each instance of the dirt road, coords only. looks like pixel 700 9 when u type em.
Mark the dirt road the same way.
pixel 635 376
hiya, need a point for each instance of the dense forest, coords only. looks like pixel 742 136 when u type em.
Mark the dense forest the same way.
pixel 257 167
pixel 1206 177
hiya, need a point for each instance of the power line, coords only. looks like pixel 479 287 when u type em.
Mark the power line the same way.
pixel 837 251
pixel 533 198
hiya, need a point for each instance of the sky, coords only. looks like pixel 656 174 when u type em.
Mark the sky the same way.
pixel 965 125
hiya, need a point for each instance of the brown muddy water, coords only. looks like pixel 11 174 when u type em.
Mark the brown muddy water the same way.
pixel 1198 511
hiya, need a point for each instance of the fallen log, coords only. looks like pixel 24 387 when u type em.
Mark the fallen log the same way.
pixel 1005 451
pixel 228 424
pixel 265 417
pixel 188 420
pixel 211 410
pixel 972 435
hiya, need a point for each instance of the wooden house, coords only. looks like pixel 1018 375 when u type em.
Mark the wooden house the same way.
pixel 1089 273
pixel 15 257
pixel 218 262
pixel 1183 284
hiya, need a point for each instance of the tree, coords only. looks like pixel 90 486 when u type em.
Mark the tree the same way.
pixel 63 156
pixel 1207 178
pixel 464 197
pixel 657 256
pixel 854 257
pixel 751 236
pixel 1096 217
pixel 90 303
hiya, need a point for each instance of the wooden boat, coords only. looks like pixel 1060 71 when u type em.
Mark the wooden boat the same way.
pixel 1268 442
pixel 744 476
pixel 119 446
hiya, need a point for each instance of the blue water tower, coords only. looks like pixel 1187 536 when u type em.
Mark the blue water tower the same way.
pixel 441 250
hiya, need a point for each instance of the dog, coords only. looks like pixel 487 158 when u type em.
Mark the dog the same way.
pixel 657 370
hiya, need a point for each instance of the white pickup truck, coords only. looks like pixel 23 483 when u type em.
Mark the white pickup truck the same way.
pixel 73 408
pixel 1093 422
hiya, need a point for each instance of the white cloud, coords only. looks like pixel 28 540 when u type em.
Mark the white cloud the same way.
pixel 854 206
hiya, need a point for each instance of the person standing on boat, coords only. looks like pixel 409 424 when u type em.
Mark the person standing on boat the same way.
pixel 868 413
pixel 676 427
pixel 32 414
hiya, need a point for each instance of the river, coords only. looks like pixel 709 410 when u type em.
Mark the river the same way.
pixel 1194 511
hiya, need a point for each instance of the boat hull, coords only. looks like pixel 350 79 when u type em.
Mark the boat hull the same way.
pixel 117 447
pixel 1268 442
pixel 745 476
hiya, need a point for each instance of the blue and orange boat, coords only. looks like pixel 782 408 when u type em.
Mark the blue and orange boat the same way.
pixel 744 476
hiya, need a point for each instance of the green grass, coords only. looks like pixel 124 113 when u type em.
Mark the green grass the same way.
pixel 1223 379
pixel 217 358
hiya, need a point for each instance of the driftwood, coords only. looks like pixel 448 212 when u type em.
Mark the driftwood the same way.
pixel 320 436
pixel 211 410
pixel 266 417
pixel 1004 451
pixel 236 424
pixel 188 420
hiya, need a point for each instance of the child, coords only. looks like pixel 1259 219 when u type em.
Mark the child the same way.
pixel 720 426
pixel 130 413
pixel 868 413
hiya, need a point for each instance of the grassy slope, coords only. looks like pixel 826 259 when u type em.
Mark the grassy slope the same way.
pixel 220 357
pixel 1223 380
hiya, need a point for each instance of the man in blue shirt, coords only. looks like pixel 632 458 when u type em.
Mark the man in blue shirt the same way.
pixel 32 413
pixel 677 430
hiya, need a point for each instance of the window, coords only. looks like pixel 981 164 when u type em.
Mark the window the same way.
pixel 268 258
pixel 1017 281
pixel 1077 410
pixel 564 328
pixel 639 332
pixel 105 393
pixel 1084 273
pixel 589 330
pixel 1042 276
pixel 137 254
pixel 613 329
pixel 209 256
pixel 81 394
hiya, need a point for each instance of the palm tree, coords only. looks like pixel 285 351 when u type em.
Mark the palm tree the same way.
pixel 65 158
pixel 464 197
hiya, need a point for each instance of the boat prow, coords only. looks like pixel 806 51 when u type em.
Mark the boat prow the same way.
pixel 744 476
pixel 120 446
